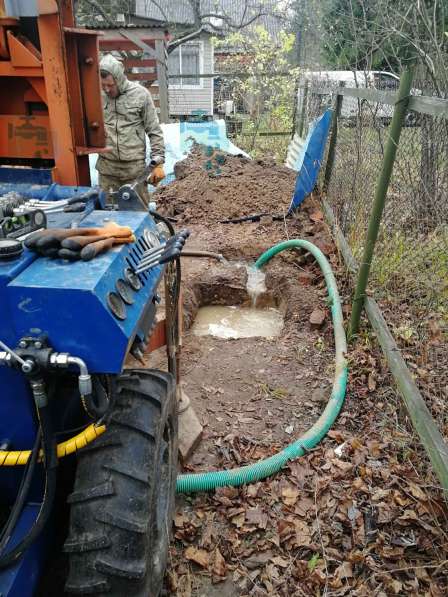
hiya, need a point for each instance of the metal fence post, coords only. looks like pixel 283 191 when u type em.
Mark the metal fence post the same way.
pixel 333 138
pixel 303 109
pixel 380 197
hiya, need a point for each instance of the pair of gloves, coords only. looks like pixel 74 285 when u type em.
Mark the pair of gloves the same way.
pixel 78 243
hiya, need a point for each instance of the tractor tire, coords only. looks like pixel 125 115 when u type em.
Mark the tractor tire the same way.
pixel 122 505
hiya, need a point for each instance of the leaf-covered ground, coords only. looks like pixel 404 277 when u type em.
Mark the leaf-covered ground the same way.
pixel 356 516
pixel 359 515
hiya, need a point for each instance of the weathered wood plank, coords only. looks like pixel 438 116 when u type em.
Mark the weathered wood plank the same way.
pixel 422 421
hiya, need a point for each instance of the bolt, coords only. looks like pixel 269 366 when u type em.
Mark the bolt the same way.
pixel 27 366
pixel 88 60
pixel 94 125
pixel 126 196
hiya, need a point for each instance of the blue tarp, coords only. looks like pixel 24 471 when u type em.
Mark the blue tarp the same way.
pixel 310 159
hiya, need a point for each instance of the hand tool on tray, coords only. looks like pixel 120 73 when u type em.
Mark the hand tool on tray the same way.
pixel 76 203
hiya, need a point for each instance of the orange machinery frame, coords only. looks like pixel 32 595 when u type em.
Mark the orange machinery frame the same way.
pixel 50 95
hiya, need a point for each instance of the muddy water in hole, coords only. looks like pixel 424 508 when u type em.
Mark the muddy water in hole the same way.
pixel 237 322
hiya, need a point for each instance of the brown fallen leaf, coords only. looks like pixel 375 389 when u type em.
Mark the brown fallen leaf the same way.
pixel 317 319
pixel 258 559
pixel 290 495
pixel 303 534
pixel 281 562
pixel 219 564
pixel 199 556
pixel 345 570
pixel 257 517
pixel 316 216
pixel 371 383
pixel 417 492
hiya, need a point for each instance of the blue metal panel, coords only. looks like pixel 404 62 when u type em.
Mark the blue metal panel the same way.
pixel 21 579
pixel 17 176
pixel 68 301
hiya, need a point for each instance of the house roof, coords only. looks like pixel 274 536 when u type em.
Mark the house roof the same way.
pixel 236 11
pixel 131 21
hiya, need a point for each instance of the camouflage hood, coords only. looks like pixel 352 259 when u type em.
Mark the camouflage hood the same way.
pixel 128 118
pixel 113 66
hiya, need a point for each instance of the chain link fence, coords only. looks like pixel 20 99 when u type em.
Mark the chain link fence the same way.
pixel 409 274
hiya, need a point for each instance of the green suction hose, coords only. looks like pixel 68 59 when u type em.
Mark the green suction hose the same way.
pixel 264 468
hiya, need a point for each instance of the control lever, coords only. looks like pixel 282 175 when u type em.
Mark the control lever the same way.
pixel 159 255
pixel 164 258
pixel 156 254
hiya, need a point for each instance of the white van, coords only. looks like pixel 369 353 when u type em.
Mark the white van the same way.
pixel 331 80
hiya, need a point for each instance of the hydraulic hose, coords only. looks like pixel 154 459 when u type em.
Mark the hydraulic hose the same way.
pixel 69 446
pixel 260 470
pixel 22 494
pixel 50 467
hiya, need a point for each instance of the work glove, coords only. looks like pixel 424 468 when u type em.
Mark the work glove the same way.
pixel 78 243
pixel 156 175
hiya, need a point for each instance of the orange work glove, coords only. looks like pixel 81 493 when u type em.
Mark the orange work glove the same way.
pixel 156 175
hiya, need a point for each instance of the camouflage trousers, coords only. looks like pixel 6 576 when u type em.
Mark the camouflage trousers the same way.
pixel 112 175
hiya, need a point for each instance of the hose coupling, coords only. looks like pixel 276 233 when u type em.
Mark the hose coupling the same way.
pixel 39 393
pixel 63 360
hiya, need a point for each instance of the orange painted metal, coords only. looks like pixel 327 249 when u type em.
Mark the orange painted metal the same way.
pixel 8 70
pixel 158 337
pixel 38 86
pixel 59 107
pixel 53 108
pixel 22 52
pixel 91 89
pixel 25 137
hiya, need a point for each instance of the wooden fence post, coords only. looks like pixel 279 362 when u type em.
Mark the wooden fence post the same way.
pixel 162 78
pixel 333 139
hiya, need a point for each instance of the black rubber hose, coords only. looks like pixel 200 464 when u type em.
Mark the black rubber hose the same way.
pixel 22 494
pixel 50 466
pixel 97 403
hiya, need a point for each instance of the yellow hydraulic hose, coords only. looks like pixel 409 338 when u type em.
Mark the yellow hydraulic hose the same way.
pixel 20 457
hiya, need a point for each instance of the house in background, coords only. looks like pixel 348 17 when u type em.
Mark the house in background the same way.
pixel 190 93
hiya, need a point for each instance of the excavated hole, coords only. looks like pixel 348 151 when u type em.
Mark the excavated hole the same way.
pixel 222 302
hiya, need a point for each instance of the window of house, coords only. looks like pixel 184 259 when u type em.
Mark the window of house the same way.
pixel 185 60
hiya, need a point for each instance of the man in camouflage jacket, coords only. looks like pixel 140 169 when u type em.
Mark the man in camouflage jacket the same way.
pixel 129 115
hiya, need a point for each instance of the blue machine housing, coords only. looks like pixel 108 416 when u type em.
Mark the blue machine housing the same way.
pixel 68 303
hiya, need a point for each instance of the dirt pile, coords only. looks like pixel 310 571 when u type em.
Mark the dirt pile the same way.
pixel 213 185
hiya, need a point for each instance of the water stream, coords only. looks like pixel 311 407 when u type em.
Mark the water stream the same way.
pixel 256 284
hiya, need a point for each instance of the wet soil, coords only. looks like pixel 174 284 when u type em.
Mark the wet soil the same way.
pixel 259 393
pixel 243 187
